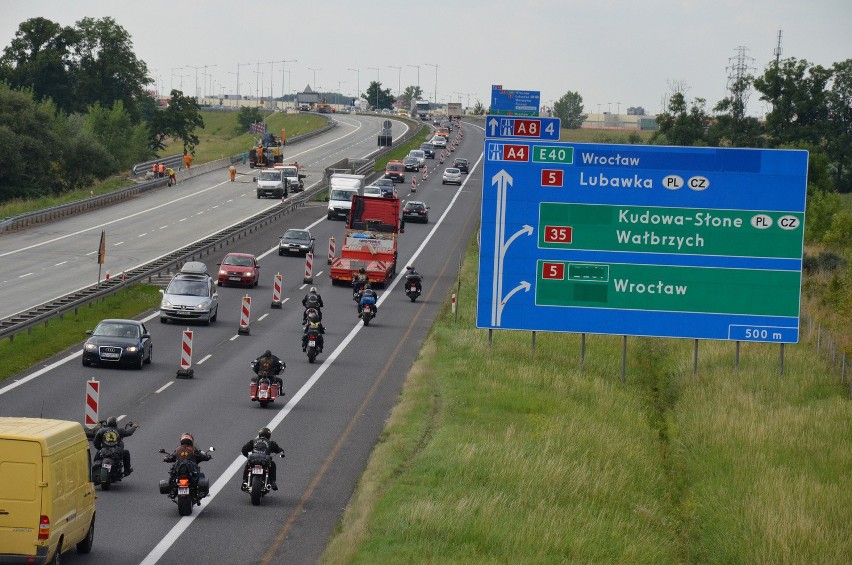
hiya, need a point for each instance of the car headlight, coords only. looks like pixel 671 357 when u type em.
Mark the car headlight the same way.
pixel 223 272
pixel 132 349
pixel 165 304
pixel 203 306
pixel 91 347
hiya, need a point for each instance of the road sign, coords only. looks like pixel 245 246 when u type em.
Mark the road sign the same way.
pixel 532 128
pixel 514 102
pixel 683 242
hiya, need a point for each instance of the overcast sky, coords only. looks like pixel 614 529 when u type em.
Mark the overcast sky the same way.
pixel 615 53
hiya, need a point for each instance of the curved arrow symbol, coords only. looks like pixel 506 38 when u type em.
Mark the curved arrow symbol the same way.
pixel 525 286
pixel 527 229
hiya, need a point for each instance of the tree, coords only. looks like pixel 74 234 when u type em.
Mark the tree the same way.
pixel 839 139
pixel 246 117
pixel 377 97
pixel 569 109
pixel 114 130
pixel 179 121
pixel 478 109
pixel 40 58
pixel 682 123
pixel 410 94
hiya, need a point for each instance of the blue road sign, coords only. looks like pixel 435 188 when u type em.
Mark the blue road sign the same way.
pixel 532 128
pixel 682 242
pixel 514 102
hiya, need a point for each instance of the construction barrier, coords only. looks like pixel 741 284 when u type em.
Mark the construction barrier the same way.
pixel 93 389
pixel 309 268
pixel 413 184
pixel 454 303
pixel 276 291
pixel 331 242
pixel 186 370
pixel 245 316
pixel 425 172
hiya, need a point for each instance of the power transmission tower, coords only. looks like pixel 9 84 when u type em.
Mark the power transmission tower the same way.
pixel 740 70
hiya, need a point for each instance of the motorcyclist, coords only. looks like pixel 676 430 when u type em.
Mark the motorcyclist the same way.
pixel 413 276
pixel 367 296
pixel 262 444
pixel 110 435
pixel 314 325
pixel 312 300
pixel 269 365
pixel 359 281
pixel 186 452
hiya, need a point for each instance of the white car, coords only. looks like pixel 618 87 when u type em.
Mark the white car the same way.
pixel 373 191
pixel 439 141
pixel 420 155
pixel 452 176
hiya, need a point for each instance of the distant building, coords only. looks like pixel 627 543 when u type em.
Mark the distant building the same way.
pixel 308 96
pixel 606 120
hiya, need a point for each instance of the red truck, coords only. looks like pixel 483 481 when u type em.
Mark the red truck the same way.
pixel 370 241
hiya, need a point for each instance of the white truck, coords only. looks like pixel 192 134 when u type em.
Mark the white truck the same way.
pixel 271 182
pixel 421 109
pixel 342 187
pixel 295 180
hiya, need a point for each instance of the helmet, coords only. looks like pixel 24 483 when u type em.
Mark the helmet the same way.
pixel 186 439
pixel 267 353
pixel 314 289
pixel 368 285
pixel 313 317
pixel 362 270
pixel 264 433
pixel 111 422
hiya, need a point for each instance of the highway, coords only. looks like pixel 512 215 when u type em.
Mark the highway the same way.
pixel 333 411
pixel 56 258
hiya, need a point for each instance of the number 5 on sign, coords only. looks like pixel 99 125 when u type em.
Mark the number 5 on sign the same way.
pixel 553 271
pixel 552 177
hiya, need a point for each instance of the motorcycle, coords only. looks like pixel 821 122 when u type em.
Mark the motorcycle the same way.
pixel 185 485
pixel 264 390
pixel 413 284
pixel 108 465
pixel 257 471
pixel 311 310
pixel 312 346
pixel 368 312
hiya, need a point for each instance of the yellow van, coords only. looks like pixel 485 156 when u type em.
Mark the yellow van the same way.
pixel 47 499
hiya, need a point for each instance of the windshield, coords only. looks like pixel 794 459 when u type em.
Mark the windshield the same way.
pixel 341 195
pixel 270 175
pixel 187 288
pixel 372 190
pixel 295 234
pixel 237 261
pixel 416 153
pixel 116 330
pixel 290 172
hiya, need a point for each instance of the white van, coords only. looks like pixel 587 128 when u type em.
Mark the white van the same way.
pixel 271 182
pixel 342 187
pixel 47 498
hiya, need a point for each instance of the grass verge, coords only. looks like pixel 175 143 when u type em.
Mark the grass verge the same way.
pixel 493 456
pixel 43 342
pixel 20 206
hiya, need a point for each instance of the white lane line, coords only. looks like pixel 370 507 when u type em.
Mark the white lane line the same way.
pixel 120 418
pixel 205 358
pixel 117 244
pixel 26 275
pixel 318 273
pixel 62 263
pixel 262 317
pixel 142 234
pixel 91 253
pixel 164 387
pixel 235 337
pixel 163 227
pixel 182 220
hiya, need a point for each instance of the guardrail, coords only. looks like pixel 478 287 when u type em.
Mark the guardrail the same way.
pixel 172 161
pixel 85 204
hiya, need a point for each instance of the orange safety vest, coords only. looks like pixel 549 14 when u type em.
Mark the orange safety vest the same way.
pixel 154 168
pixel 162 168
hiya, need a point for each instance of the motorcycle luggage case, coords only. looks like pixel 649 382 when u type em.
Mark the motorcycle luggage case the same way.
pixel 164 487
pixel 253 391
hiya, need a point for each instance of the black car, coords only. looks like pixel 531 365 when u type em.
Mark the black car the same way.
pixel 461 164
pixel 411 163
pixel 296 241
pixel 415 211
pixel 117 342
pixel 428 149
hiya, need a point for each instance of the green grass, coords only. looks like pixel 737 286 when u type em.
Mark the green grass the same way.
pixel 43 342
pixel 20 206
pixel 492 456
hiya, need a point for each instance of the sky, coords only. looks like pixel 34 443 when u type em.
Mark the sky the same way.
pixel 615 53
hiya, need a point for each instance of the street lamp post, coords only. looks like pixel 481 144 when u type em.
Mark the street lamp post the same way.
pixel 418 75
pixel 238 77
pixel 436 80
pixel 398 81
pixel 284 69
pixel 357 82
pixel 196 80
pixel 204 75
pixel 172 79
pixel 339 83
pixel 315 76
pixel 377 84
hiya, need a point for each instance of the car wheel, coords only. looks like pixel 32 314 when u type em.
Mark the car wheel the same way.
pixel 215 315
pixel 164 320
pixel 256 282
pixel 281 253
pixel 85 363
pixel 150 355
pixel 139 362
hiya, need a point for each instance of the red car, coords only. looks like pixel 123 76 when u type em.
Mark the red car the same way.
pixel 239 269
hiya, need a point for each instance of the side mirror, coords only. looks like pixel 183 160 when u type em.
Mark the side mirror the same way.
pixel 162 291
pixel 146 336
pixel 211 448
pixel 253 179
pixel 89 332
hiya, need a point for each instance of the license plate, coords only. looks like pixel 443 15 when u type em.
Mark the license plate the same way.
pixel 183 490
pixel 413 287
pixel 107 466
pixel 183 312
pixel 257 470
pixel 263 394
pixel 312 343
pixel 233 278
pixel 110 355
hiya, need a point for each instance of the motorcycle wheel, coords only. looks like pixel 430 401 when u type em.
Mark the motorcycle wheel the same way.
pixel 413 296
pixel 312 354
pixel 263 403
pixel 256 490
pixel 184 505
pixel 105 484
pixel 366 320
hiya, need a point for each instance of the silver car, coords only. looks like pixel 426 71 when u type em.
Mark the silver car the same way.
pixel 452 176
pixel 190 297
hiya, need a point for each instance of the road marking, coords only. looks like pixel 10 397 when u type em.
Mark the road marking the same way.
pixel 120 418
pixel 142 234
pixel 182 220
pixel 163 227
pixel 91 253
pixel 262 317
pixel 22 276
pixel 205 358
pixel 117 244
pixel 235 337
pixel 62 263
pixel 164 387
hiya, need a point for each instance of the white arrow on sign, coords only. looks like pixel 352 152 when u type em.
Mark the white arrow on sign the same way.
pixel 527 229
pixel 503 180
pixel 492 125
pixel 525 286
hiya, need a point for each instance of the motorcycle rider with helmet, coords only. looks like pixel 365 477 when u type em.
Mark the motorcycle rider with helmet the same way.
pixel 187 452
pixel 269 365
pixel 368 296
pixel 110 435
pixel 360 280
pixel 262 444
pixel 413 276
pixel 312 300
pixel 314 324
